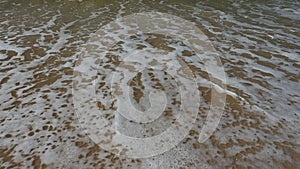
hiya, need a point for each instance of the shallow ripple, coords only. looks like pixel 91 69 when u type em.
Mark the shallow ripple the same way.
pixel 259 44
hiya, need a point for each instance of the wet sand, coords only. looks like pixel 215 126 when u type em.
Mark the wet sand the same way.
pixel 259 46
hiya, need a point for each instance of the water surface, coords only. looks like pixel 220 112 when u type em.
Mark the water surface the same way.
pixel 259 46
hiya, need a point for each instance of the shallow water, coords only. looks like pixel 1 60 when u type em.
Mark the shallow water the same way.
pixel 258 44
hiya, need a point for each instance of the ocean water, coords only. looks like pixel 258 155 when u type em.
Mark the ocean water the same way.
pixel 258 44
